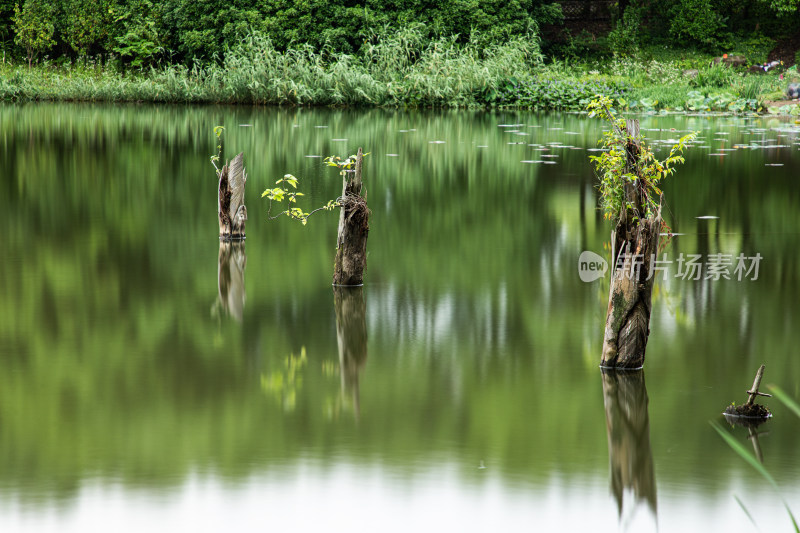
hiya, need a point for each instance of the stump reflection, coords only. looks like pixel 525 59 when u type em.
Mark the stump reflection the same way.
pixel 351 334
pixel 628 427
pixel 230 278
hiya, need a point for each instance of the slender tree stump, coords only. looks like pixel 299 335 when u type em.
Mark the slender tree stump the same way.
pixel 630 456
pixel 750 409
pixel 634 241
pixel 351 336
pixel 230 205
pixel 351 240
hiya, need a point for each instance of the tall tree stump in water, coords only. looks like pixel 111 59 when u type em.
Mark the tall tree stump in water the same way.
pixel 634 242
pixel 231 210
pixel 351 241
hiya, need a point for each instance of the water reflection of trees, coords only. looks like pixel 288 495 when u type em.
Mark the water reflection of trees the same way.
pixel 628 428
pixel 472 281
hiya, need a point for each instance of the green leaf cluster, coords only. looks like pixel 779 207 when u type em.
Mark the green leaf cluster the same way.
pixel 614 172
pixel 34 25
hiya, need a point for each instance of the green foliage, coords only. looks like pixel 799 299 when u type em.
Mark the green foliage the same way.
pixel 140 40
pixel 86 23
pixel 34 27
pixel 716 76
pixel 783 7
pixel 281 193
pixel 285 384
pixel 696 22
pixel 755 48
pixel 218 131
pixel 612 165
pixel 551 93
pixel 625 38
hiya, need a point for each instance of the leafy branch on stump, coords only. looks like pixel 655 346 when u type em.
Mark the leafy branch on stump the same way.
pixel 351 241
pixel 630 196
pixel 281 193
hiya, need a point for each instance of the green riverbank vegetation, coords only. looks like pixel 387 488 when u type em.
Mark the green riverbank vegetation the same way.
pixel 647 56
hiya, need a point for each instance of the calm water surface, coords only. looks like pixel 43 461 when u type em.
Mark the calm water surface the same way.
pixel 153 379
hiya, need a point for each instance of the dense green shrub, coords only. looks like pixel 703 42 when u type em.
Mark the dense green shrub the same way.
pixel 696 22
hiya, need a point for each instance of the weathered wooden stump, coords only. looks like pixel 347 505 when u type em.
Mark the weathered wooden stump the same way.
pixel 351 240
pixel 230 278
pixel 630 456
pixel 634 242
pixel 351 336
pixel 750 409
pixel 231 209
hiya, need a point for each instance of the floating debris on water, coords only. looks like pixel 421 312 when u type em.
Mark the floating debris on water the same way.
pixel 774 165
pixel 320 126
pixel 707 217
pixel 314 156
pixel 510 125
pixel 532 161
pixel 245 125
pixel 436 142
pixel 339 140
pixel 392 155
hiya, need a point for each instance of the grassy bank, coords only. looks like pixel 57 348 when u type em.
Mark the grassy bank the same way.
pixel 404 69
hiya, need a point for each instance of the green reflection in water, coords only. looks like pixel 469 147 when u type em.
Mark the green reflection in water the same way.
pixel 121 360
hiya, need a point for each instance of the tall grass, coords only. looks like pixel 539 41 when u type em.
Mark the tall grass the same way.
pixel 394 67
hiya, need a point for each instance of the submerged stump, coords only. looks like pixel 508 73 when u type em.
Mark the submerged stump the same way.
pixel 351 241
pixel 230 206
pixel 634 242
pixel 750 409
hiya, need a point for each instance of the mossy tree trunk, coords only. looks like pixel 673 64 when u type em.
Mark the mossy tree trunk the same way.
pixel 634 242
pixel 351 241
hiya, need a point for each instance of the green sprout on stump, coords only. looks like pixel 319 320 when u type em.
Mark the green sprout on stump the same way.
pixel 614 172
pixel 282 193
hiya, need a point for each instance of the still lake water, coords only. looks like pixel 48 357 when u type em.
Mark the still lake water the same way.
pixel 153 380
